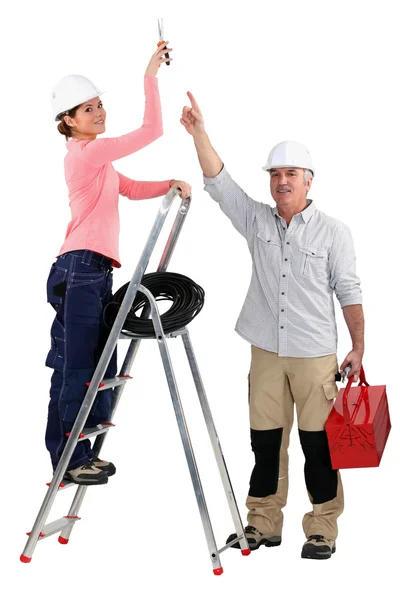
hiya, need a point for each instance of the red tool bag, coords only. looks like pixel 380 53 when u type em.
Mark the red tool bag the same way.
pixel 358 425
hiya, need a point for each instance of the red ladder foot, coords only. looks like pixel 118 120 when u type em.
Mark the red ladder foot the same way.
pixel 25 559
pixel 246 552
pixel 63 540
pixel 218 571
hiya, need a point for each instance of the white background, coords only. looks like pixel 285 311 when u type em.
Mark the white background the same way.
pixel 321 73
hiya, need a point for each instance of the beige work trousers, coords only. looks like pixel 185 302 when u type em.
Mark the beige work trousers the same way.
pixel 276 384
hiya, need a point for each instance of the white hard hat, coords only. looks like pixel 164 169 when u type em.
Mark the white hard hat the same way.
pixel 71 91
pixel 289 154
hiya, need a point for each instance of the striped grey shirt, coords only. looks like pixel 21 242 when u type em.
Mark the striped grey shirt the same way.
pixel 289 307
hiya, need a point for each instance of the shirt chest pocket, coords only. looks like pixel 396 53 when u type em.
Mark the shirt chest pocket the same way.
pixel 266 241
pixel 313 262
pixel 268 249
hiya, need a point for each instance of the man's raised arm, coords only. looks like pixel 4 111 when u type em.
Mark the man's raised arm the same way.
pixel 233 201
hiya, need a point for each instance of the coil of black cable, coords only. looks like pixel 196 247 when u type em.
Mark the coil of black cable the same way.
pixel 187 301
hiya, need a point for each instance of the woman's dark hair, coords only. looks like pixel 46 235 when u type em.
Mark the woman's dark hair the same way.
pixel 62 127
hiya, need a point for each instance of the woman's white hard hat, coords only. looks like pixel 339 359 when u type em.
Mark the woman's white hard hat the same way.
pixel 289 154
pixel 71 91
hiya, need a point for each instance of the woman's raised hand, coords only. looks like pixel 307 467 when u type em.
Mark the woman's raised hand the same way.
pixel 192 119
pixel 157 59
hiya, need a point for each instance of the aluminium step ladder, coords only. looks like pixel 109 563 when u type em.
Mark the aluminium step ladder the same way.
pixel 40 529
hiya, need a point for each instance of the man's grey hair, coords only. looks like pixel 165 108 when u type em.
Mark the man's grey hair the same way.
pixel 307 174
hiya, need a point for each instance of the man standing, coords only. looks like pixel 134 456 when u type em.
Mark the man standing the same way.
pixel 300 257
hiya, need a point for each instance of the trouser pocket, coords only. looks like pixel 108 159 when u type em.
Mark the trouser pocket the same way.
pixel 56 285
pixel 56 356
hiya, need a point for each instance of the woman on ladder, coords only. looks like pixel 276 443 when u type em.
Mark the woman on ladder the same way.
pixel 80 281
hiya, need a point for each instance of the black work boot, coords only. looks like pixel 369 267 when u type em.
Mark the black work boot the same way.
pixel 318 547
pixel 86 475
pixel 255 539
pixel 107 467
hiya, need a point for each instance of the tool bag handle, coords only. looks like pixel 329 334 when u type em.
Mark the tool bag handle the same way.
pixel 363 397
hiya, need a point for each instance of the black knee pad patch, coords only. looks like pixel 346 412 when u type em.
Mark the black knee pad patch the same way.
pixel 321 479
pixel 266 446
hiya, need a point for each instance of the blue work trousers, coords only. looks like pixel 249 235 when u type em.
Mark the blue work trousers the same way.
pixel 78 287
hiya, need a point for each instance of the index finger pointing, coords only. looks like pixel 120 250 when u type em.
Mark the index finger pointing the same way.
pixel 193 101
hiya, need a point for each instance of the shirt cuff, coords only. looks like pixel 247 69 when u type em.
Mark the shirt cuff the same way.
pixel 222 176
pixel 350 301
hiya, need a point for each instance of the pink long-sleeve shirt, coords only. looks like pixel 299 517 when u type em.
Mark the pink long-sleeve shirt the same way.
pixel 94 185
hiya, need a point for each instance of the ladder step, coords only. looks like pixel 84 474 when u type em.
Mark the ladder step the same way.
pixel 65 483
pixel 89 432
pixel 113 382
pixel 132 336
pixel 55 526
pixel 237 539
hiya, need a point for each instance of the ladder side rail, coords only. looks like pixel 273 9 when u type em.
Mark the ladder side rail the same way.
pixel 184 432
pixel 133 347
pixel 99 372
pixel 214 440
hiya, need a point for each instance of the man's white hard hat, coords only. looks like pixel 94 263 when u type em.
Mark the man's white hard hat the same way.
pixel 289 154
pixel 71 91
